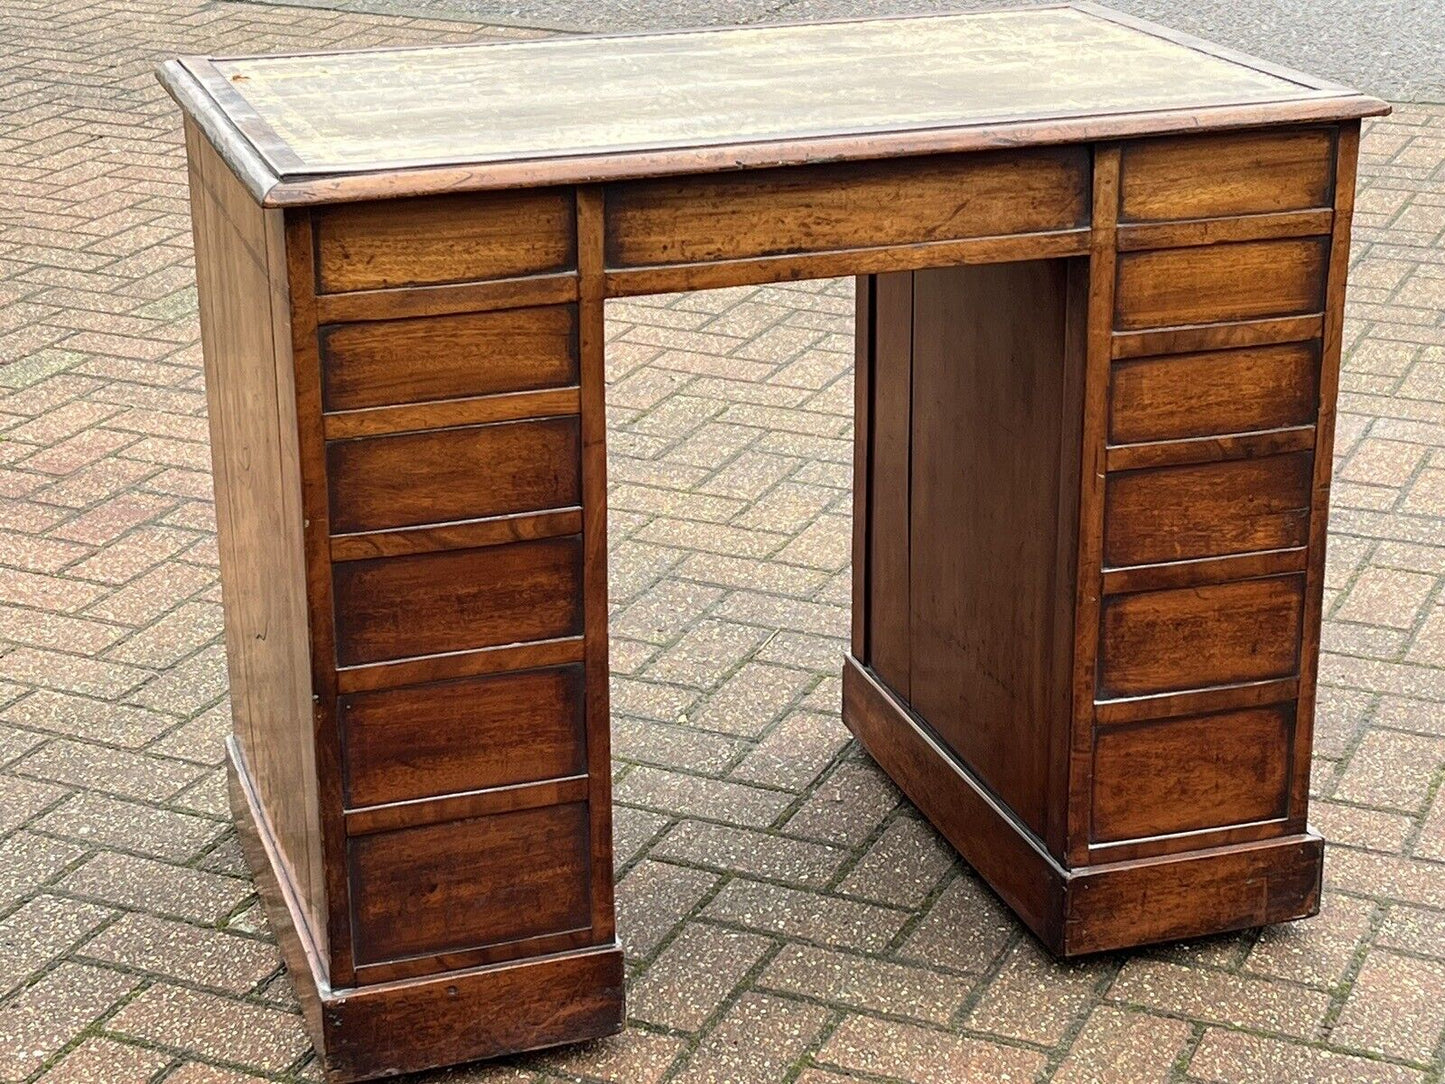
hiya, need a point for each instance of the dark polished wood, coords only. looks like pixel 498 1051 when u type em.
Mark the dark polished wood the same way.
pixel 1098 338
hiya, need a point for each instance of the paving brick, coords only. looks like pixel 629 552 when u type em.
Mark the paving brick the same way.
pixel 653 898
pixel 70 673
pixel 87 718
pixel 1216 995
pixel 215 1027
pixel 649 741
pixel 908 1052
pixel 41 930
pixel 634 1057
pixel 1356 827
pixel 1227 1057
pixel 689 981
pixel 105 1061
pixel 143 884
pixel 113 771
pixel 43 1016
pixel 1392 770
pixel 730 419
pixel 805 915
pixel 757 1041
pixel 1115 1045
pixel 1318 951
pixel 868 984
pixel 28 861
pixel 696 796
pixel 187 953
pixel 23 799
pixel 1385 876
pixel 706 654
pixel 1394 1008
pixel 966 928
pixel 794 752
pixel 847 806
pixel 1413 930
pixel 751 699
pixel 1383 596
pixel 903 866
pixel 1034 999
pixel 761 855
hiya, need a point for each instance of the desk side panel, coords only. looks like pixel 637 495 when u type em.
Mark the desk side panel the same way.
pixel 971 463
pixel 246 336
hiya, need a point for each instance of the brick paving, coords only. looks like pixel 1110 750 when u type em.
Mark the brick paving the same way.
pixel 787 916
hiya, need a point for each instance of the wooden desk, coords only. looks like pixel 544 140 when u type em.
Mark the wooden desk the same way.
pixel 1102 275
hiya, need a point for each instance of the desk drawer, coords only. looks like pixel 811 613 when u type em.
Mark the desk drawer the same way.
pixel 1207 510
pixel 1189 774
pixel 1215 176
pixel 759 213
pixel 465 238
pixel 387 362
pixel 1223 391
pixel 421 741
pixel 1217 283
pixel 1194 638
pixel 470 883
pixel 444 475
pixel 425 604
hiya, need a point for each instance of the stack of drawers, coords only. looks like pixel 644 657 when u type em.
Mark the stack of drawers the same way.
pixel 448 342
pixel 1210 491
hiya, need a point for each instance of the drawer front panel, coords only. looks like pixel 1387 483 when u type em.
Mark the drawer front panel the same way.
pixel 1209 510
pixel 451 474
pixel 1183 775
pixel 466 238
pixel 1215 283
pixel 853 205
pixel 1224 391
pixel 1193 638
pixel 422 741
pixel 398 607
pixel 386 362
pixel 1211 176
pixel 483 881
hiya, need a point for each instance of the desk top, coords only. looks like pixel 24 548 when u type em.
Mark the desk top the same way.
pixel 325 127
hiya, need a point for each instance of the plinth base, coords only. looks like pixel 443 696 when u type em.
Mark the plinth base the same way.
pixel 1088 909
pixel 365 1032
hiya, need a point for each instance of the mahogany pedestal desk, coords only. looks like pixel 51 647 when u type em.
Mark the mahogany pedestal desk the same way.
pixel 1102 270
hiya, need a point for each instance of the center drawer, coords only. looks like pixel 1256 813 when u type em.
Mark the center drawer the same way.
pixel 377 483
pixel 819 208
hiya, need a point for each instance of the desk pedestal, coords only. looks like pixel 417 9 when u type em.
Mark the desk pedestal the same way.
pixel 1079 653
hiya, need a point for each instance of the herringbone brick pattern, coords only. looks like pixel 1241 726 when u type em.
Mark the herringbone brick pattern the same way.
pixel 787 917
